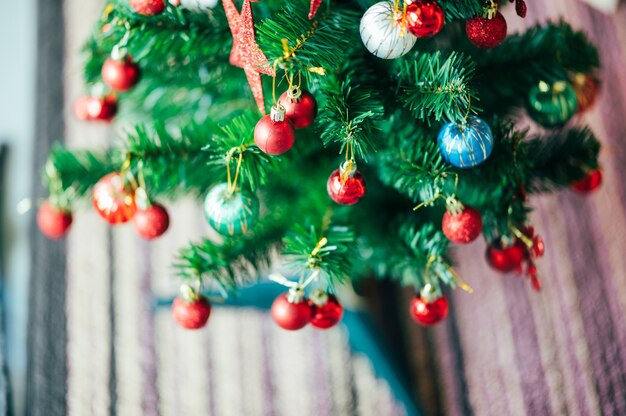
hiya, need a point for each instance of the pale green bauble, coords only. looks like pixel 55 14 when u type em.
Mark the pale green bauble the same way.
pixel 230 213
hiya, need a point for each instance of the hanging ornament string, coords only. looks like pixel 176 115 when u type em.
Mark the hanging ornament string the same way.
pixel 290 52
pixel 439 194
pixel 232 184
pixel 462 284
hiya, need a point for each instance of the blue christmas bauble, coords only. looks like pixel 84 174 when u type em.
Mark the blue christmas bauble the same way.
pixel 467 144
pixel 230 213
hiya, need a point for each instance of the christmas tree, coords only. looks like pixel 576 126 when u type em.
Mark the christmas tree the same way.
pixel 391 134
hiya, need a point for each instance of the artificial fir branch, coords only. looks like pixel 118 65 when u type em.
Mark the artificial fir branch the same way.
pixel 329 252
pixel 235 140
pixel 547 52
pixel 552 168
pixel 462 9
pixel 78 170
pixel 234 262
pixel 299 45
pixel 437 87
pixel 349 115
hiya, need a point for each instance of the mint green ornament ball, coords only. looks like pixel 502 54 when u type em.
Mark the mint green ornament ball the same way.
pixel 230 213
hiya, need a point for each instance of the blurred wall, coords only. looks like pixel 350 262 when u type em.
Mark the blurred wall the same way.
pixel 18 27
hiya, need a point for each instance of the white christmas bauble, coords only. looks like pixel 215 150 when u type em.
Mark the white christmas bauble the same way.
pixel 382 34
pixel 198 5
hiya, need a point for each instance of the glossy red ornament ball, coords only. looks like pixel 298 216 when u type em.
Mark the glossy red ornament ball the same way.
pixel 95 108
pixel 152 222
pixel 464 227
pixel 424 18
pixel 53 222
pixel 586 88
pixel 120 75
pixel 80 108
pixel 191 315
pixel 427 312
pixel 326 315
pixel 274 137
pixel 346 189
pixel 589 183
pixel 506 259
pixel 113 199
pixel 486 33
pixel 300 110
pixel 291 315
pixel 148 7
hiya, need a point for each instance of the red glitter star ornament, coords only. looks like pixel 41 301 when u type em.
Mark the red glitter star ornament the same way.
pixel 246 53
pixel 315 4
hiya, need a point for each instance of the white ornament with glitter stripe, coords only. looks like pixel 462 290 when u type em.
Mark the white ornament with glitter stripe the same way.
pixel 383 33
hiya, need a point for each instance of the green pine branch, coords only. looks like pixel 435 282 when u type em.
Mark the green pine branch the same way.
pixel 233 262
pixel 349 115
pixel 438 87
pixel 311 45
pixel 329 252
pixel 462 9
pixel 548 52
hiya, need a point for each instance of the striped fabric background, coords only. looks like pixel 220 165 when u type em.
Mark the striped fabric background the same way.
pixel 504 351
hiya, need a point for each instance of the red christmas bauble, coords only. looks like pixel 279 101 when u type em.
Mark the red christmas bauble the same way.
pixel 424 18
pixel 120 75
pixel 301 111
pixel 291 315
pixel 148 7
pixel 326 315
pixel 506 259
pixel 589 183
pixel 347 190
pixel 53 222
pixel 113 200
pixel 464 227
pixel 96 108
pixel 586 88
pixel 274 137
pixel 428 312
pixel 191 315
pixel 486 33
pixel 152 222
pixel 80 108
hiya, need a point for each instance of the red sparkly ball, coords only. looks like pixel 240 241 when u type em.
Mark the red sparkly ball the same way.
pixel 347 190
pixel 300 110
pixel 274 137
pixel 424 18
pixel 326 315
pixel 464 227
pixel 113 200
pixel 486 33
pixel 428 312
pixel 152 222
pixel 53 222
pixel 506 259
pixel 148 7
pixel 291 315
pixel 80 108
pixel 191 315
pixel 120 75
pixel 586 88
pixel 589 183
pixel 94 108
